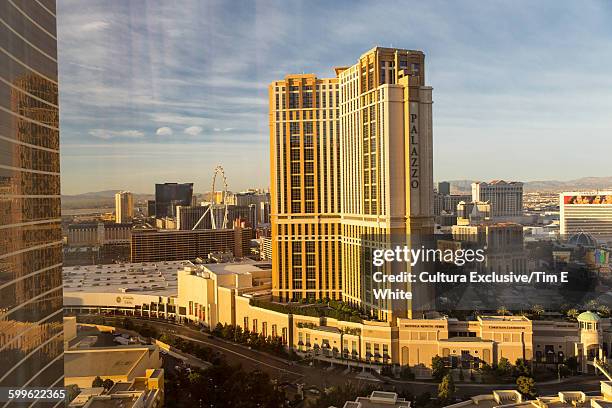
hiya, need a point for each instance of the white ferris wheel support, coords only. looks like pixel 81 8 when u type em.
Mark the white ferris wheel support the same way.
pixel 222 205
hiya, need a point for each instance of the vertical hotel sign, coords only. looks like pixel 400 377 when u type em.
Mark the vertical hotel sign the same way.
pixel 414 146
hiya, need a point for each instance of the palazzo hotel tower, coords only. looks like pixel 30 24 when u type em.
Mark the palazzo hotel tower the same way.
pixel 351 166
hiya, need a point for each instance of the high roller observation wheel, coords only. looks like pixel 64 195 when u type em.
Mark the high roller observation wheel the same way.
pixel 223 204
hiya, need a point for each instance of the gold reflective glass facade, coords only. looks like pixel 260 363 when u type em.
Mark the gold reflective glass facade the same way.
pixel 31 330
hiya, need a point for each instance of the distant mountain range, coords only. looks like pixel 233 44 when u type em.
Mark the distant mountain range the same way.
pixel 106 198
pixel 103 194
pixel 553 186
pixel 97 199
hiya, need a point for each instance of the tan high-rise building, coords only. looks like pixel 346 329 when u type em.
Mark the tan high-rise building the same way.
pixel 124 207
pixel 305 202
pixel 387 169
pixel 351 158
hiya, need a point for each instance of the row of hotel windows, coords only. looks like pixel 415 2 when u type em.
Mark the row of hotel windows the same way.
pixel 309 229
pixel 305 262
pixel 304 155
pixel 307 101
pixel 318 114
pixel 332 86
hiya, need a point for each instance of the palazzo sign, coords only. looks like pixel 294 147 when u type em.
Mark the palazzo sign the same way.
pixel 414 152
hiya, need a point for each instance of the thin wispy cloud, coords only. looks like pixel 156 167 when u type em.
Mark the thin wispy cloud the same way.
pixel 112 134
pixel 527 78
pixel 95 26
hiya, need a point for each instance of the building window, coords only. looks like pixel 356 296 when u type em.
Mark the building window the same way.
pixel 307 102
pixel 294 100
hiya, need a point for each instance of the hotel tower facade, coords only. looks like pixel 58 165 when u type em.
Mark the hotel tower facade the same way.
pixel 31 330
pixel 351 169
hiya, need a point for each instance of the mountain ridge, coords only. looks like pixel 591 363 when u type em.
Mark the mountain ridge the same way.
pixel 549 186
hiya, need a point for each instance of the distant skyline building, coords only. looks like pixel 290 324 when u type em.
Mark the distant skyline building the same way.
pixel 124 207
pixel 31 311
pixel 188 216
pixel 586 212
pixel 98 234
pixel 444 187
pixel 169 195
pixel 472 212
pixel 351 156
pixel 150 208
pixel 174 245
pixel 506 198
pixel 447 203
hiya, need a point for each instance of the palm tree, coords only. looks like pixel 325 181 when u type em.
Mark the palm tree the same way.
pixel 503 311
pixel 592 304
pixel 537 311
pixel 604 310
pixel 573 314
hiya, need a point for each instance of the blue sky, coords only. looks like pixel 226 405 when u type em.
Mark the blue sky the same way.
pixel 159 91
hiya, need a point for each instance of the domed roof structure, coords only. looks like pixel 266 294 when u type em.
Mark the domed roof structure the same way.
pixel 588 317
pixel 583 239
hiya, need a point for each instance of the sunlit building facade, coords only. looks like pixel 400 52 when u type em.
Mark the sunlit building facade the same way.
pixel 351 165
pixel 586 212
pixel 506 198
pixel 387 168
pixel 305 199
pixel 31 340
pixel 124 207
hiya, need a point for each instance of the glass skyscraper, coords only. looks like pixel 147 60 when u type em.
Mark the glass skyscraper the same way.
pixel 31 330
pixel 169 195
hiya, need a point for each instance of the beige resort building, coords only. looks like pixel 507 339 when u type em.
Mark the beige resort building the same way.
pixel 208 294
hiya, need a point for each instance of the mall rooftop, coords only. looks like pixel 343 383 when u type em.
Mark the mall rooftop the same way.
pixel 158 278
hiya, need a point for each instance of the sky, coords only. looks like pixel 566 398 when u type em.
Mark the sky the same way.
pixel 160 91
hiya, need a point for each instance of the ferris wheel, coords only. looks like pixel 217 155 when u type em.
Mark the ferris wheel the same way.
pixel 216 207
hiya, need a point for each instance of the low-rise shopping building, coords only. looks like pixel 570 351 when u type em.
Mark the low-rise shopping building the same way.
pixel 238 293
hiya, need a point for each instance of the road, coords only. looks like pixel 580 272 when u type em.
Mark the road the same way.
pixel 286 371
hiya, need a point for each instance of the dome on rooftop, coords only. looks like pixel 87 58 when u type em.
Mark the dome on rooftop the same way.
pixel 583 239
pixel 588 317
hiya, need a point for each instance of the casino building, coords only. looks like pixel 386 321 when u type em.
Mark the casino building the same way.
pixel 587 212
pixel 239 293
pixel 351 162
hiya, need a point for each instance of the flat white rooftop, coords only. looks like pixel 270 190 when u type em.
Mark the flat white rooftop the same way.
pixel 242 267
pixel 158 278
